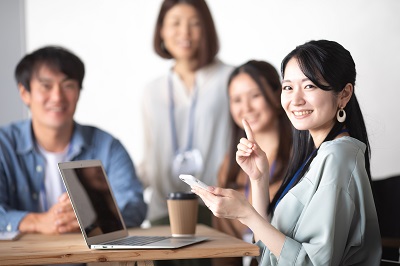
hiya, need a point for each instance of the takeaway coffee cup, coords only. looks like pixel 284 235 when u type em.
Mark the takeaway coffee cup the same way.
pixel 182 211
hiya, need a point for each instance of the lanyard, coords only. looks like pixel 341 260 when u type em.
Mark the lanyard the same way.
pixel 296 175
pixel 294 178
pixel 172 116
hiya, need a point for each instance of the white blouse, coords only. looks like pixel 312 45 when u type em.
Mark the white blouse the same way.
pixel 211 131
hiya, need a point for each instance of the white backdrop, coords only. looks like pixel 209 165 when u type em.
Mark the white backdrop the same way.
pixel 114 39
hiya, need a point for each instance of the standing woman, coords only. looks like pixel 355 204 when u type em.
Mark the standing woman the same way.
pixel 324 212
pixel 185 112
pixel 254 90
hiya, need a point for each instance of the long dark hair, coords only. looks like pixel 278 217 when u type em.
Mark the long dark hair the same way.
pixel 324 62
pixel 209 44
pixel 263 74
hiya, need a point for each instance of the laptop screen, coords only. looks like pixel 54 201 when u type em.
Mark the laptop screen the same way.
pixel 94 203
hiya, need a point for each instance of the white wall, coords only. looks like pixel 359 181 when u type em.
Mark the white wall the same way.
pixel 12 44
pixel 114 38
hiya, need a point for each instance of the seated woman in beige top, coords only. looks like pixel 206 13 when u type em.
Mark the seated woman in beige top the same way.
pixel 254 90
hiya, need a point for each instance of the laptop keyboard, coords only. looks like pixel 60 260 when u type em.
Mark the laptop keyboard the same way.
pixel 137 240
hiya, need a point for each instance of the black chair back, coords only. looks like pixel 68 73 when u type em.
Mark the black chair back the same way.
pixel 389 263
pixel 387 201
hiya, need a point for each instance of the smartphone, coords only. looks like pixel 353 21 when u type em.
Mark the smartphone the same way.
pixel 192 181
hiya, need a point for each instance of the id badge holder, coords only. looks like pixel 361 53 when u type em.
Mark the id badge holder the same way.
pixel 188 162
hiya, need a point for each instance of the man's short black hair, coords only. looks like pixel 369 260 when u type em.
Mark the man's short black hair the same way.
pixel 56 58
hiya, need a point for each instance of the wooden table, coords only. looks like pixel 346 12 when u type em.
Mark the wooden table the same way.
pixel 34 249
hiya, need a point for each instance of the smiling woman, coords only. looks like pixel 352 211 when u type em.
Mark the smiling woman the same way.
pixel 309 107
pixel 254 90
pixel 324 212
pixel 185 112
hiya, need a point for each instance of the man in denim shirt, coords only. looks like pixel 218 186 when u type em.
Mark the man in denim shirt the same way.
pixel 32 195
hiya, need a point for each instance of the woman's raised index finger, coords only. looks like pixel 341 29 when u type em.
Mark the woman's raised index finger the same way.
pixel 247 129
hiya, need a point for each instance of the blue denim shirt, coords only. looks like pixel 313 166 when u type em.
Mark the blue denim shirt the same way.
pixel 22 172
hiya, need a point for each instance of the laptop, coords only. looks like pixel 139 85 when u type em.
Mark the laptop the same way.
pixel 98 215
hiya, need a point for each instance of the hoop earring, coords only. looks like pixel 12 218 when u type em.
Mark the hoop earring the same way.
pixel 341 115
